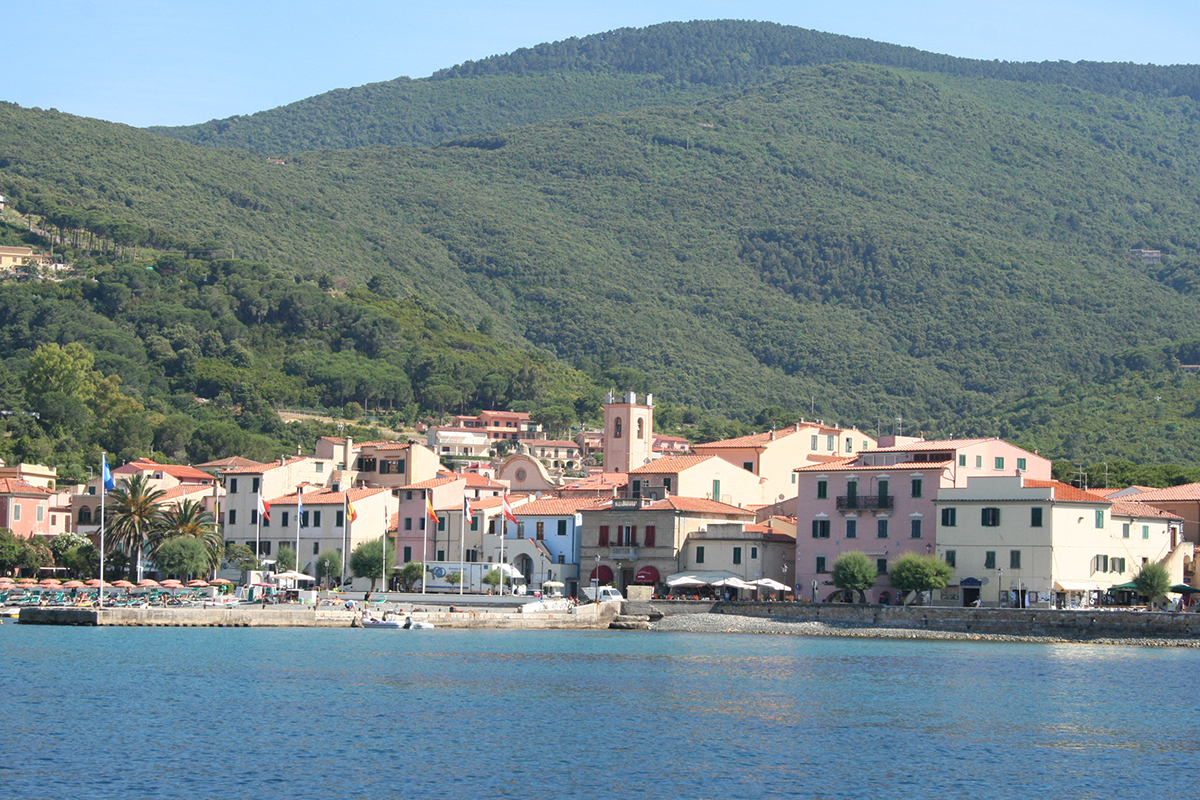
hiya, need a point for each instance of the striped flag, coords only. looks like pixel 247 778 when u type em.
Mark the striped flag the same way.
pixel 429 512
pixel 508 512
pixel 467 515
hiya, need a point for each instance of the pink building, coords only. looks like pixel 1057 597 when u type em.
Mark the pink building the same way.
pixel 881 502
pixel 418 537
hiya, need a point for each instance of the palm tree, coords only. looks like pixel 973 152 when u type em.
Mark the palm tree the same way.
pixel 134 517
pixel 190 519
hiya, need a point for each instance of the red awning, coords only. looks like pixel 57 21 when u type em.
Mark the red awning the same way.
pixel 647 575
pixel 606 573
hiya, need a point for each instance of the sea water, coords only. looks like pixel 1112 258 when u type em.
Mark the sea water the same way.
pixel 347 713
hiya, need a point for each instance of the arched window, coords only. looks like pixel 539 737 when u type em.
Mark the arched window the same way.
pixel 641 429
pixel 617 428
pixel 85 516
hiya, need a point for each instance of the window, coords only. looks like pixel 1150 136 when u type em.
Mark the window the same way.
pixel 716 491
pixel 284 519
pixel 407 554
pixel 385 467
pixel 748 466
pixel 650 536
pixel 820 528
pixel 793 479
pixel 541 529
pixel 1021 464
pixel 999 462
pixel 1145 531
pixel 339 519
pixel 915 528
pixel 617 428
pixel 979 462
pixel 233 485
pixel 822 490
pixel 408 495
pixel 849 445
pixel 408 523
pixel 852 494
pixel 40 514
pixel 667 483
pixel 1117 564
pixel 316 548
pixel 604 536
pixel 737 555
pixel 641 429
pixel 989 559
pixel 562 527
pixel 254 484
pixel 85 516
pixel 821 565
pixel 1125 531
pixel 951 558
pixel 753 553
pixel 700 554
pixel 812 445
pixel 441 555
pixel 831 442
pixel 562 558
pixel 949 517
pixel 637 488
pixel 1014 559
pixel 917 485
pixel 475 522
pixel 253 516
pixel 1035 517
pixel 320 465
pixel 232 515
pixel 316 519
pixel 962 460
pixel 303 519
pixel 883 491
pixel 1101 564
pixel 881 529
pixel 881 566
pixel 989 517
pixel 442 526
pixel 851 529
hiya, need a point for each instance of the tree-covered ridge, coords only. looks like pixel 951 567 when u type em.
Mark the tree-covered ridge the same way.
pixel 867 241
pixel 677 63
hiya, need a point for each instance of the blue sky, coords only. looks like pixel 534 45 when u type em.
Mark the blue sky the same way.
pixel 173 62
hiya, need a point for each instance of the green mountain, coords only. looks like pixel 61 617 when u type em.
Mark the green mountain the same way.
pixel 863 241
pixel 675 63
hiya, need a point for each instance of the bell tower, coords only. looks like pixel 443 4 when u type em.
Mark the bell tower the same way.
pixel 628 432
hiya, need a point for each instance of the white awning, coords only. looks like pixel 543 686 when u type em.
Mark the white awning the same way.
pixel 1074 586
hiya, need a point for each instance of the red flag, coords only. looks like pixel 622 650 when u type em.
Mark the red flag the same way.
pixel 264 508
pixel 508 512
pixel 429 512
pixel 470 517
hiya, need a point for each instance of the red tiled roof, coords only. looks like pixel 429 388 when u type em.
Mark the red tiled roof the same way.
pixel 942 444
pixel 1066 492
pixel 670 465
pixel 257 469
pixel 753 440
pixel 604 481
pixel 556 506
pixel 1186 491
pixel 184 490
pixel 433 483
pixel 327 498
pixel 700 505
pixel 230 463
pixel 180 471
pixel 548 443
pixel 20 486
pixel 1132 508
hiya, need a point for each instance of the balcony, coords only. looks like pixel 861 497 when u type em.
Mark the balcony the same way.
pixel 864 502
pixel 623 551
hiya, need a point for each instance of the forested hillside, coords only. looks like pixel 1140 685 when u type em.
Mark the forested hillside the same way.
pixel 862 241
pixel 678 63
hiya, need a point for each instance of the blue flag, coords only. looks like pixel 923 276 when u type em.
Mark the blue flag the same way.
pixel 106 474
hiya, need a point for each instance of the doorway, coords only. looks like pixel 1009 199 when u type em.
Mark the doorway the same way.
pixel 970 594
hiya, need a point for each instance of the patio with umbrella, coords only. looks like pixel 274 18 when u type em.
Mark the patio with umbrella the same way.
pixel 1183 588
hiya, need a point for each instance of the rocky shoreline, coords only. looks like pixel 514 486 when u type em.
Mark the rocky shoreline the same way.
pixel 734 623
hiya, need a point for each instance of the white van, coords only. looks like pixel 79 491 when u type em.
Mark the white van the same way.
pixel 607 593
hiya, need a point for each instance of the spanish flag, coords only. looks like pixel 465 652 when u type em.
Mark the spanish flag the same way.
pixel 429 507
pixel 351 514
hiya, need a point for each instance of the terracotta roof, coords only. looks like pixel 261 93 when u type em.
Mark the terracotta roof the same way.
pixel 180 471
pixel 258 469
pixel 19 486
pixel 433 483
pixel 1186 491
pixel 697 504
pixel 230 463
pixel 1066 492
pixel 659 437
pixel 670 465
pixel 556 506
pixel 1132 508
pixel 476 481
pixel 753 440
pixel 941 444
pixel 548 443
pixel 849 465
pixel 184 490
pixel 604 481
pixel 327 498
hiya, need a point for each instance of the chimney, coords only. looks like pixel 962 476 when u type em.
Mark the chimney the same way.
pixel 631 398
pixel 649 399
pixel 348 453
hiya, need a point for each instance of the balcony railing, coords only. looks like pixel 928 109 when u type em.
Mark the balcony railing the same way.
pixel 624 551
pixel 864 502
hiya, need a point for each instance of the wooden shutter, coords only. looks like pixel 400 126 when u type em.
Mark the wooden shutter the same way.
pixel 650 536
pixel 633 535
pixel 604 536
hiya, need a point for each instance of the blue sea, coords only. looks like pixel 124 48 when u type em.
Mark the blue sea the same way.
pixel 348 713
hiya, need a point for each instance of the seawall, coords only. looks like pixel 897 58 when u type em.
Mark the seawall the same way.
pixel 1080 624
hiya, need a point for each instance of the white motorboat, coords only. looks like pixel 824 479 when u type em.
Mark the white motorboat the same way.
pixel 407 624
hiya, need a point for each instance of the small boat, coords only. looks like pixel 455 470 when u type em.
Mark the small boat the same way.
pixel 408 624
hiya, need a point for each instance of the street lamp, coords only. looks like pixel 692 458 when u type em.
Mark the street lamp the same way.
pixel 999 587
pixel 596 580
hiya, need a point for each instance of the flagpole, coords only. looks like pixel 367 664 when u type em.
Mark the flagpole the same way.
pixel 299 512
pixel 383 552
pixel 503 535
pixel 462 544
pixel 258 527
pixel 345 533
pixel 103 492
pixel 425 540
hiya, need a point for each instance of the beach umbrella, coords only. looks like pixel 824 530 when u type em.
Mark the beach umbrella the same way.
pixel 27 582
pixel 73 585
pixel 220 581
pixel 171 583
pixel 96 583
pixel 123 584
pixel 51 581
pixel 1183 588
pixel 197 584
pixel 147 583
pixel 768 583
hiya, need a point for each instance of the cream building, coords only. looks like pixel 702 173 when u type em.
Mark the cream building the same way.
pixel 1042 543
